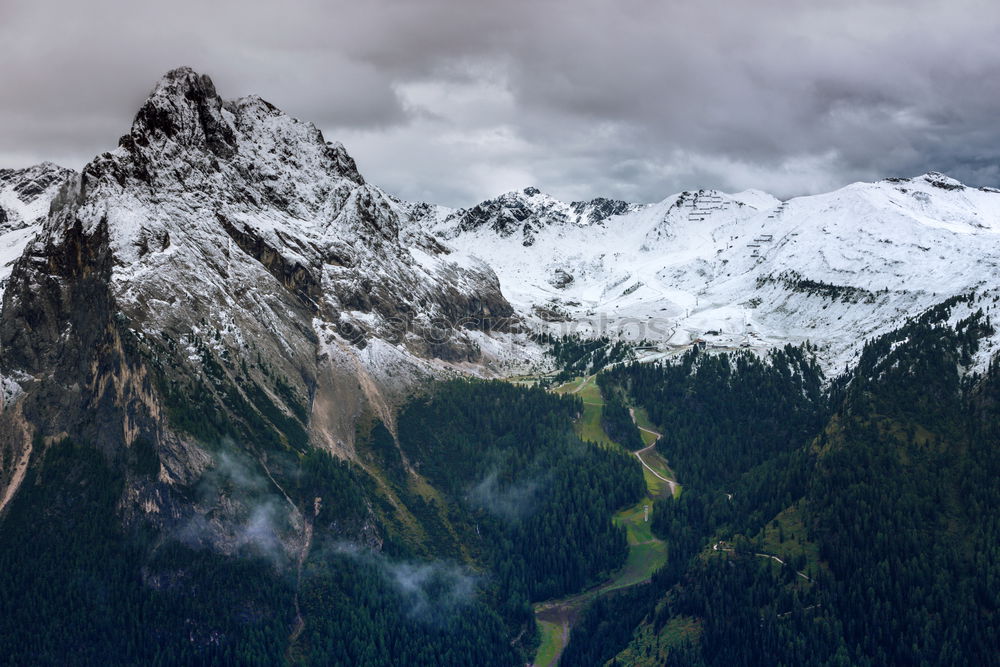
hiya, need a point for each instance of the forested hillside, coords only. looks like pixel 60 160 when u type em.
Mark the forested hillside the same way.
pixel 822 522
pixel 428 552
pixel 853 525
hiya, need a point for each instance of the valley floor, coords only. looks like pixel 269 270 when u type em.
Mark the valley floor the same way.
pixel 646 553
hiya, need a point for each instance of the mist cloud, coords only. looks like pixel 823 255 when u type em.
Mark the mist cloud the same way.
pixel 507 501
pixel 431 591
pixel 456 101
pixel 239 511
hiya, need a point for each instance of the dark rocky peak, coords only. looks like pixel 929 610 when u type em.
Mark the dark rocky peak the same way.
pixel 529 210
pixel 186 126
pixel 939 180
pixel 600 209
pixel 934 178
pixel 183 108
pixel 33 181
pixel 344 163
pixel 504 215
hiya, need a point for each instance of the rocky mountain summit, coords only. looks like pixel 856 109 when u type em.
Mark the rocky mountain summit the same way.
pixel 224 274
pixel 520 214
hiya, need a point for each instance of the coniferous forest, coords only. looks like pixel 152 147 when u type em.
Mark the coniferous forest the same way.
pixel 823 521
pixel 855 524
pixel 505 506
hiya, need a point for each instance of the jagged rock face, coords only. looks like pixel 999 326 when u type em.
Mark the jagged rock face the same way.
pixel 27 192
pixel 226 273
pixel 25 196
pixel 524 213
pixel 599 209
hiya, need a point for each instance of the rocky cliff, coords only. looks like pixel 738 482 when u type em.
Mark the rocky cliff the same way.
pixel 224 280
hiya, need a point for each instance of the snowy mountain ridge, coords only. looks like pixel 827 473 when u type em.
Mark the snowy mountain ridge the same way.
pixel 226 275
pixel 226 278
pixel 209 204
pixel 519 213
pixel 744 269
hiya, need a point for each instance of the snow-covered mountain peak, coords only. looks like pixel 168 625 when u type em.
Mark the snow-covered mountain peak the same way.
pixel 184 125
pixel 229 235
pixel 748 269
pixel 939 180
pixel 185 109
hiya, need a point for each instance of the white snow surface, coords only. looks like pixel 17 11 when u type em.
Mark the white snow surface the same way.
pixel 748 270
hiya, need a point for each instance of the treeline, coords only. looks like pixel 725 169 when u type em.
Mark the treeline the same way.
pixel 893 482
pixel 723 414
pixel 575 355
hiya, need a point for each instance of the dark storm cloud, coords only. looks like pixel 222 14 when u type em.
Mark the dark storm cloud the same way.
pixel 455 101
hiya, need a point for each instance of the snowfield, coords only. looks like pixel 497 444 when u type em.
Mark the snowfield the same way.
pixel 745 269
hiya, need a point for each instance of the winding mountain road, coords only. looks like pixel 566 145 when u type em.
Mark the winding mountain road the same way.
pixel 718 547
pixel 671 484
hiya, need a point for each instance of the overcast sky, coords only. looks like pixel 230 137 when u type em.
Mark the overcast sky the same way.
pixel 455 101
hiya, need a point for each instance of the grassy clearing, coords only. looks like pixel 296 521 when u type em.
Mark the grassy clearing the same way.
pixel 638 530
pixel 646 553
pixel 552 643
pixel 657 487
pixel 647 438
pixel 786 535
pixel 591 393
pixel 652 457
pixel 589 426
pixel 656 461
pixel 642 419
pixel 643 560
pixel 571 386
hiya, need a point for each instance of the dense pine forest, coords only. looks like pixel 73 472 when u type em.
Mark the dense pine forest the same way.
pixel 428 553
pixel 856 525
pixel 823 521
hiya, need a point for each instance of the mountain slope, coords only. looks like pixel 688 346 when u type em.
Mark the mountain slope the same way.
pixel 847 524
pixel 25 196
pixel 744 269
pixel 226 275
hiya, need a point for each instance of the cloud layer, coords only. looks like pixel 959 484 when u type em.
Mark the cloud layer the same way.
pixel 455 101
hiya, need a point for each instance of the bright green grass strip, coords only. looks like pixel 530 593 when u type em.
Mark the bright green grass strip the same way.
pixel 642 419
pixel 589 427
pixel 591 393
pixel 552 643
